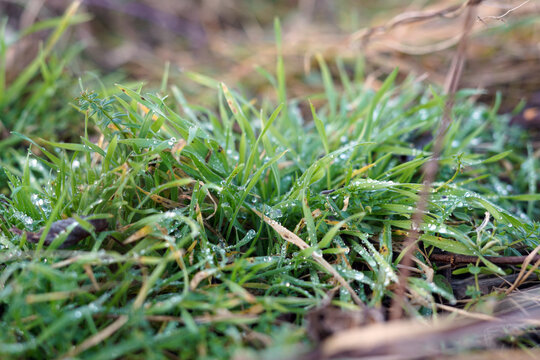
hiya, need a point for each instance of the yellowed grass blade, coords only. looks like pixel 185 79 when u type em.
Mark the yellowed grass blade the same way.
pixel 97 338
pixel 291 237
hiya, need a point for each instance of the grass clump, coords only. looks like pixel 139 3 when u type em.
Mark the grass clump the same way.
pixel 32 92
pixel 188 268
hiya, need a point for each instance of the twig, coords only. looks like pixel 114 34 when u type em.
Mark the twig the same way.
pixel 432 166
pixel 412 17
pixel 522 276
pixel 501 17
pixel 469 259
pixel 424 49
pixel 419 339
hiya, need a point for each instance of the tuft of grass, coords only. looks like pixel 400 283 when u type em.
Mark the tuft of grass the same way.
pixel 33 99
pixel 192 266
pixel 34 92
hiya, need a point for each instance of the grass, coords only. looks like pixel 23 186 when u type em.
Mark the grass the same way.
pixel 33 99
pixel 198 260
pixel 34 93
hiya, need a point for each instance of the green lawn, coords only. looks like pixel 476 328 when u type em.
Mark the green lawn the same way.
pixel 227 224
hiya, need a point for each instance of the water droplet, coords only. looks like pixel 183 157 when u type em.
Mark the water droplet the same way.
pixel 272 212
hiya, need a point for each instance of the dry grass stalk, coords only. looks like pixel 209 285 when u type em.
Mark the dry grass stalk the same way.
pixel 431 168
pixel 291 237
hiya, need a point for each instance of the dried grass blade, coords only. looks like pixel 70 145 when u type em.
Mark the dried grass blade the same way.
pixel 97 338
pixel 291 237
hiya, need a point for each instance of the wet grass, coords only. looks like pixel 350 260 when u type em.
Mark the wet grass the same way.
pixel 194 263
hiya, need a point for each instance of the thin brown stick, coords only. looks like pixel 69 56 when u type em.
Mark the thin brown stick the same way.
pixel 501 17
pixel 421 338
pixel 522 276
pixel 412 17
pixel 432 166
pixel 469 259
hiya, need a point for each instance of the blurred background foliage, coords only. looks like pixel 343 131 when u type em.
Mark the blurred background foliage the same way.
pixel 226 39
